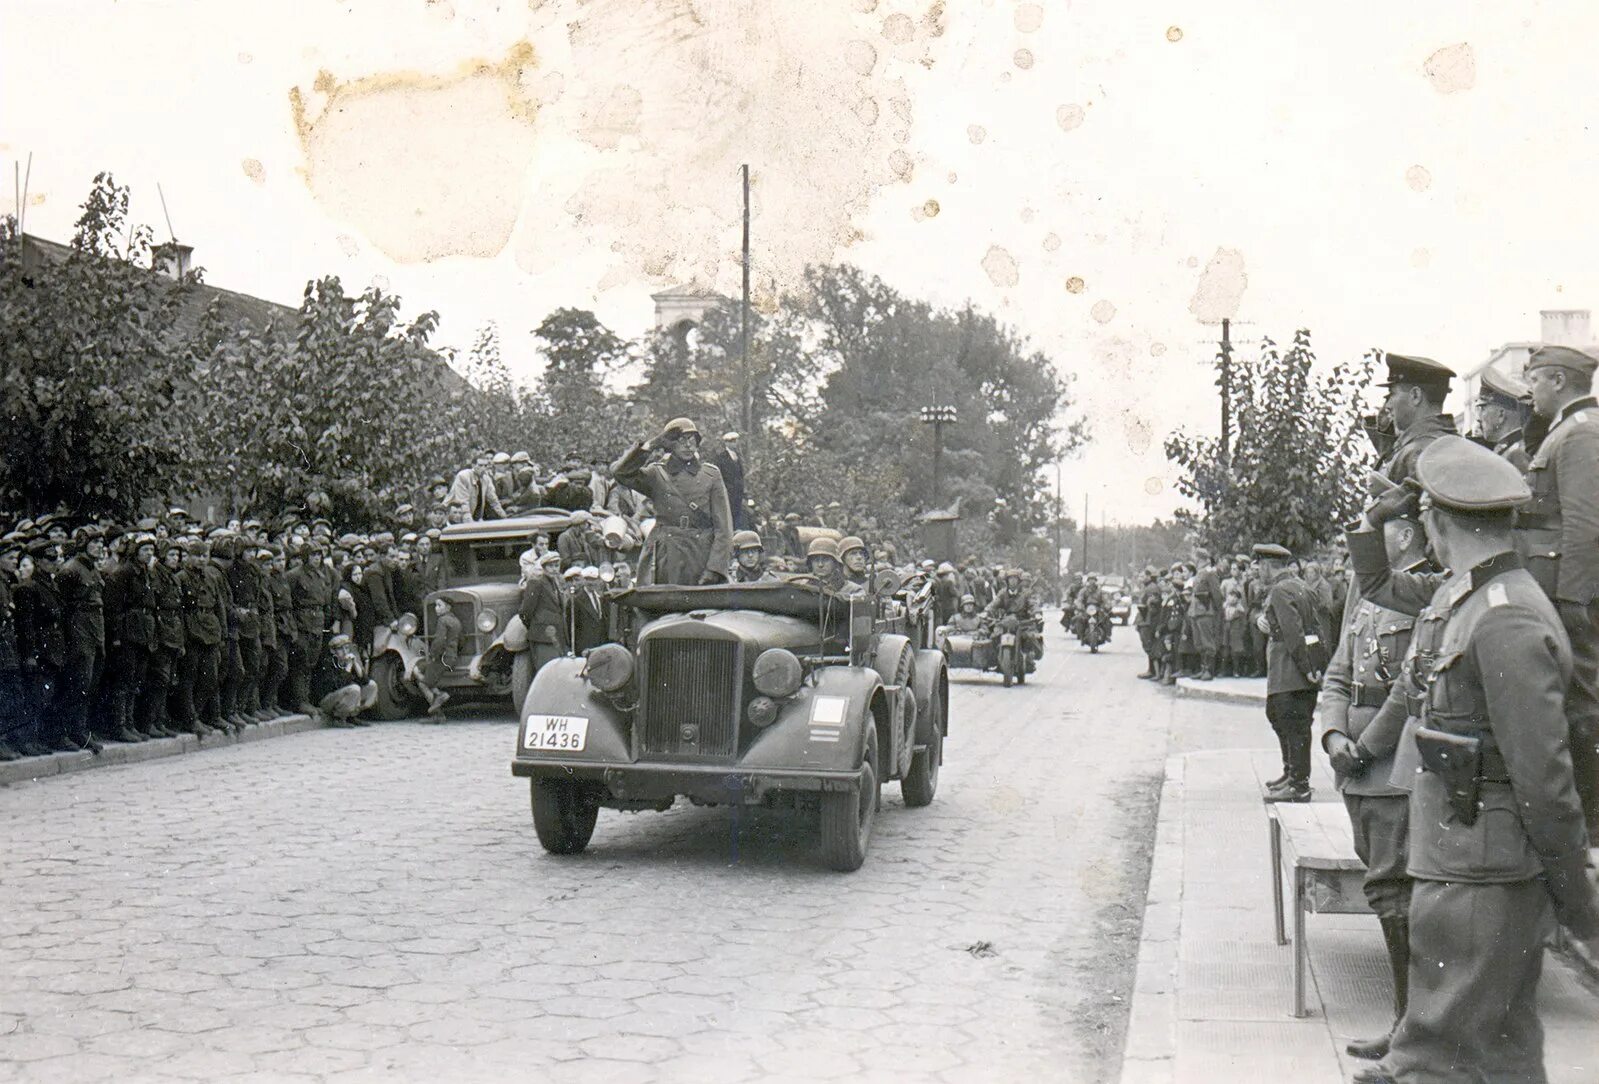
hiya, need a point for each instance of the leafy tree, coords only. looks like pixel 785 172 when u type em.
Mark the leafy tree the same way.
pixel 573 413
pixel 1297 457
pixel 347 402
pixel 93 387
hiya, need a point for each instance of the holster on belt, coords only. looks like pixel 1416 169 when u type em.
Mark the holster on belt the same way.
pixel 1457 760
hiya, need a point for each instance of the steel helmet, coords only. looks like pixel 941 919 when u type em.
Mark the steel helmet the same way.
pixel 822 547
pixel 846 545
pixel 746 540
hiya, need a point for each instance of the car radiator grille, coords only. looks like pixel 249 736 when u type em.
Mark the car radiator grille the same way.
pixel 691 698
pixel 465 613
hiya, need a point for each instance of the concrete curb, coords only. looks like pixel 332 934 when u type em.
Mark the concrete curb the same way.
pixel 1223 690
pixel 31 768
pixel 1150 1051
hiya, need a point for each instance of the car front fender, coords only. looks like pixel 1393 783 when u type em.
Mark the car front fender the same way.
pixel 560 689
pixel 805 736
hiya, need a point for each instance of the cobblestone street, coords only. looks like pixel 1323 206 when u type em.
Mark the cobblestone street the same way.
pixel 373 904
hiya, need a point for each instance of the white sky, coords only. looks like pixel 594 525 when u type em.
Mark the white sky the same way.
pixel 599 164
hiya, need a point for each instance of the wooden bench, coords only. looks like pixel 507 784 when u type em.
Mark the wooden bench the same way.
pixel 1315 843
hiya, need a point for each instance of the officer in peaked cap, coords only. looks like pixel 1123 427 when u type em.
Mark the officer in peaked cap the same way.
pixel 1500 408
pixel 1558 535
pixel 692 542
pixel 1295 657
pixel 1497 842
pixel 1416 390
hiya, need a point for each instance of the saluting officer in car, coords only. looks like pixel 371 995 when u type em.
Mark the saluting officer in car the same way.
pixel 692 541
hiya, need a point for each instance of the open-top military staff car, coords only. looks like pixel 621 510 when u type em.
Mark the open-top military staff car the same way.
pixel 770 694
pixel 481 584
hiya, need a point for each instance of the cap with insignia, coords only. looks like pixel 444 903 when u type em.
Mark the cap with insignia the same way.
pixel 1463 476
pixel 1271 551
pixel 1420 372
pixel 1562 357
pixel 1501 390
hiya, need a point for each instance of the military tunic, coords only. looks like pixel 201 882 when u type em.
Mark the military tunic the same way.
pixel 1558 536
pixel 1400 463
pixel 1513 449
pixel 693 531
pixel 1485 890
pixel 81 587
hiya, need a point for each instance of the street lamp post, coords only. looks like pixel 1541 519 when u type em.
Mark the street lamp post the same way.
pixel 938 417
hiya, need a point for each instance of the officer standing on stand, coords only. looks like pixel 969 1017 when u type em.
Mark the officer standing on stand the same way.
pixel 1417 388
pixel 1558 535
pixel 692 542
pixel 1497 842
pixel 1499 418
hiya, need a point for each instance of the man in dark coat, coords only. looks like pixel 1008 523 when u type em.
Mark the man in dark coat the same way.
pixel 82 598
pixel 1416 391
pixel 166 646
pixel 731 464
pixel 543 611
pixel 1295 659
pixel 205 622
pixel 42 643
pixel 275 686
pixel 692 541
pixel 130 631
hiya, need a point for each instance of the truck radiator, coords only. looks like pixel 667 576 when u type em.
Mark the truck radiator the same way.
pixel 691 698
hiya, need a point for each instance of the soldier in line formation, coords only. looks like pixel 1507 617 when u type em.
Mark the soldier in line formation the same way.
pixel 171 627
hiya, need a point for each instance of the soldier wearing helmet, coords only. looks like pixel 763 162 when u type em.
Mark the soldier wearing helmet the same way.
pixel 852 552
pixel 821 559
pixel 968 619
pixel 749 559
pixel 692 541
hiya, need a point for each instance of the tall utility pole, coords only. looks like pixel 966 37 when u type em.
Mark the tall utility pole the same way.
pixel 938 417
pixel 1057 520
pixel 746 404
pixel 1226 385
pixel 1085 534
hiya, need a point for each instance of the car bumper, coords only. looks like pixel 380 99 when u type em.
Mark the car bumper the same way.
pixel 721 783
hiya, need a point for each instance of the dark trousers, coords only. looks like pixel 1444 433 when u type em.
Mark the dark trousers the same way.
pixel 80 680
pixel 274 669
pixel 1381 825
pixel 1582 706
pixel 126 666
pixel 42 685
pixel 160 677
pixel 1290 715
pixel 16 722
pixel 1476 954
pixel 303 656
pixel 237 666
pixel 199 697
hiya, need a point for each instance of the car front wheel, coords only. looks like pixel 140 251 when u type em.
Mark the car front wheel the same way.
pixel 848 816
pixel 563 815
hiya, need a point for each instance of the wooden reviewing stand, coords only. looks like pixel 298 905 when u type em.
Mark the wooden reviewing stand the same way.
pixel 1314 841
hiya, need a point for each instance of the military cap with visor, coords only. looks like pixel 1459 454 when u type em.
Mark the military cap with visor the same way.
pixel 1461 475
pixel 1562 357
pixel 1272 551
pixel 1420 372
pixel 1500 390
pixel 679 427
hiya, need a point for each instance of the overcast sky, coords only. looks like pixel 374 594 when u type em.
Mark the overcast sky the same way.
pixel 1413 176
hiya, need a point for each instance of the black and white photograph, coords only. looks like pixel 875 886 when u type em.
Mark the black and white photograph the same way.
pixel 742 541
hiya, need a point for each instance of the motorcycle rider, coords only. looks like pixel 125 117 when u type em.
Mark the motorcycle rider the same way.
pixel 1011 601
pixel 968 619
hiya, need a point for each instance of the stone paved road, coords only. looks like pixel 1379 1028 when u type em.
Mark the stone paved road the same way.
pixel 373 905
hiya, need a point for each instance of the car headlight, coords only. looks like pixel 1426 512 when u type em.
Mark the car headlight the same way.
pixel 762 711
pixel 406 626
pixel 487 620
pixel 609 667
pixel 777 673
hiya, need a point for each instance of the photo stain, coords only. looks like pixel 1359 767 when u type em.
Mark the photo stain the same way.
pixel 1452 68
pixel 1075 285
pixel 1174 34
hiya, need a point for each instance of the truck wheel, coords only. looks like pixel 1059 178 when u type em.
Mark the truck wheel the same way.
pixel 921 782
pixel 393 701
pixel 847 817
pixel 521 679
pixel 563 815
pixel 1007 665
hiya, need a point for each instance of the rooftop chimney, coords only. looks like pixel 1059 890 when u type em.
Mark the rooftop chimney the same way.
pixel 1565 327
pixel 176 260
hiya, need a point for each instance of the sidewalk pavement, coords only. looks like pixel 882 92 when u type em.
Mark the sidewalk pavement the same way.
pixel 1227 690
pixel 1214 992
pixel 30 768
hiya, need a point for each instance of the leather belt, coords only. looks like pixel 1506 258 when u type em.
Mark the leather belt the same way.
pixel 1367 696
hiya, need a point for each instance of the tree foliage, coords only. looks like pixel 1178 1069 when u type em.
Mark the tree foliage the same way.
pixel 1297 453
pixel 96 399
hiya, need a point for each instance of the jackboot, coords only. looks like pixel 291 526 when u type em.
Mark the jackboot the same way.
pixel 1396 937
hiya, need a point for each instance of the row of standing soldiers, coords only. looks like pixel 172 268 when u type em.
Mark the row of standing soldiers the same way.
pixel 171 635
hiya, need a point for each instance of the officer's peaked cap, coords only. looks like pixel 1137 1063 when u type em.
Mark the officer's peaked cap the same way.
pixel 1463 476
pixel 1271 550
pixel 1497 385
pixel 1423 372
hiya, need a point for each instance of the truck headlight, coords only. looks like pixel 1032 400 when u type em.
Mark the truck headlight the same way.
pixel 777 673
pixel 609 667
pixel 487 620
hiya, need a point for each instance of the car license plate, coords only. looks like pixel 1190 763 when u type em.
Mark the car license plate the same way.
pixel 1008 640
pixel 563 733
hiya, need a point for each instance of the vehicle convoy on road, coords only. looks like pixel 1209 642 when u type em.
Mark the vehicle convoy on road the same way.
pixel 480 576
pixel 777 694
